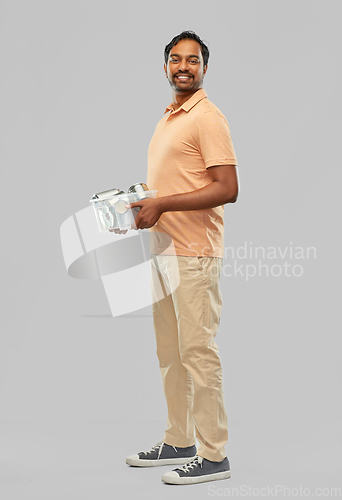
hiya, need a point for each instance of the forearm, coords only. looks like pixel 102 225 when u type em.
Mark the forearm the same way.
pixel 210 196
pixel 223 189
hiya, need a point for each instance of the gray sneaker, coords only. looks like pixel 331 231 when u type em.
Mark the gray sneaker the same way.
pixel 198 470
pixel 162 454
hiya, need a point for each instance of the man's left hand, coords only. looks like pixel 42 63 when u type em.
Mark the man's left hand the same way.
pixel 148 214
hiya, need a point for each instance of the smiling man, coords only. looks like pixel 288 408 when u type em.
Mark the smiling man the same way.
pixel 185 71
pixel 192 164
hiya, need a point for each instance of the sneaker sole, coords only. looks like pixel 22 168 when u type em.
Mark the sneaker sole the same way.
pixel 140 462
pixel 196 479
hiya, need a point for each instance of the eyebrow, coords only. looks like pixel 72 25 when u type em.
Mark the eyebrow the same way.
pixel 191 55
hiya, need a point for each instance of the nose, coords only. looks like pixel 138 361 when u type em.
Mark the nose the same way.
pixel 183 65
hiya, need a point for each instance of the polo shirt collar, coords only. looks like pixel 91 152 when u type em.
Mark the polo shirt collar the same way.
pixel 190 103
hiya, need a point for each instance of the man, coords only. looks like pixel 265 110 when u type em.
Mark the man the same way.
pixel 192 164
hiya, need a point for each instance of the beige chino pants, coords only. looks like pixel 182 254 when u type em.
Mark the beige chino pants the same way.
pixel 185 324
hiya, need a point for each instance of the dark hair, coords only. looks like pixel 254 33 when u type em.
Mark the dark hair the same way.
pixel 187 34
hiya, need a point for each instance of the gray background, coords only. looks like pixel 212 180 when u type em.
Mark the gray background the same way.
pixel 82 89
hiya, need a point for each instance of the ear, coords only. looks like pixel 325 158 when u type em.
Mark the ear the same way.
pixel 205 69
pixel 165 69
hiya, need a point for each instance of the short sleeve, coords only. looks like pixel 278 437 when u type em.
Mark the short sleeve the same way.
pixel 214 140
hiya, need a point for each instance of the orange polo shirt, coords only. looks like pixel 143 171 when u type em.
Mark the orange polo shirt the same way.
pixel 185 144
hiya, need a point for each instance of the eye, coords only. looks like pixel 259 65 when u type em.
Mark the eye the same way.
pixel 194 61
pixel 173 60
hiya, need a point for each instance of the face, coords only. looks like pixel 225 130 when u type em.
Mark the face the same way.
pixel 184 68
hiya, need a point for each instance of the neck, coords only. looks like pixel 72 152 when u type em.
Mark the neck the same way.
pixel 179 98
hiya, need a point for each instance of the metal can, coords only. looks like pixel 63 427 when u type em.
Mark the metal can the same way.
pixel 105 194
pixel 140 187
pixel 139 191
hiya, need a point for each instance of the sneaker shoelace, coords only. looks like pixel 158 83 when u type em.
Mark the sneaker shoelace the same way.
pixel 194 462
pixel 159 447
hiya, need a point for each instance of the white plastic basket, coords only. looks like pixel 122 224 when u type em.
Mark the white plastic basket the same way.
pixel 111 212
